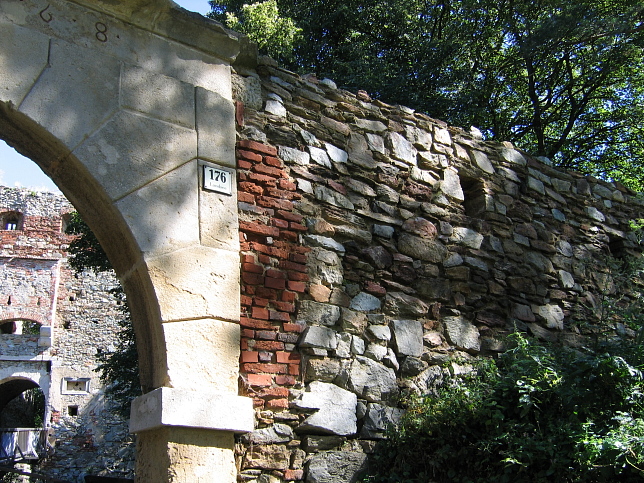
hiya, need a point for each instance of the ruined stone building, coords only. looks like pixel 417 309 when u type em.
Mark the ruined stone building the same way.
pixel 295 256
pixel 53 322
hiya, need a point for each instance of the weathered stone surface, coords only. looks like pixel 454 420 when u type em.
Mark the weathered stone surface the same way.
pixel 412 366
pixel 379 256
pixel 398 303
pixel 553 315
pixel 379 332
pixel 421 227
pixel 467 237
pixel 371 381
pixel 336 409
pixel 268 457
pixel 336 467
pixel 378 419
pixel 323 370
pixel 353 322
pixel 325 242
pixel 481 160
pixel 321 337
pixel 523 312
pixel 364 302
pixel 422 248
pixel 290 155
pixel 276 433
pixel 316 313
pixel 451 185
pixel 315 443
pixel 401 148
pixel 461 333
pixel 408 337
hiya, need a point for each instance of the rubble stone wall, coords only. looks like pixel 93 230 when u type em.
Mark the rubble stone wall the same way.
pixel 380 247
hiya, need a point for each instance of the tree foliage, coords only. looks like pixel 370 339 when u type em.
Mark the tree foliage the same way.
pixel 559 79
pixel 119 369
pixel 537 414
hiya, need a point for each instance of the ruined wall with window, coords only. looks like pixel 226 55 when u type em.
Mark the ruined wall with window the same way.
pixel 381 248
pixel 53 322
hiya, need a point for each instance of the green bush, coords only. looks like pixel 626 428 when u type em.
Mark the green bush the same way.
pixel 536 414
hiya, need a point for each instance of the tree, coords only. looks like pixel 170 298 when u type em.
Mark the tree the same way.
pixel 559 79
pixel 119 370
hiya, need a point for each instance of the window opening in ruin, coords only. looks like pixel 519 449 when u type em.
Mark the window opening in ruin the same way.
pixel 8 327
pixel 11 221
pixel 72 385
pixel 72 411
pixel 476 200
pixel 64 222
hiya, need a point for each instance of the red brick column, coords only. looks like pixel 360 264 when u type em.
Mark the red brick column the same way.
pixel 273 273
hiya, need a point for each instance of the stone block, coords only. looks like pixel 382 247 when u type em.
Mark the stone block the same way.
pixel 481 160
pixel 158 96
pixel 196 282
pixel 451 185
pixel 215 115
pixel 467 237
pixel 462 334
pixel 172 407
pixel 218 216
pixel 77 107
pixel 336 410
pixel 315 313
pixel 401 148
pixel 336 467
pixel 320 337
pixel 353 322
pixel 378 419
pixel 422 248
pixel 408 337
pixel 24 57
pixel 364 302
pixel 130 151
pixel 371 380
pixel 401 304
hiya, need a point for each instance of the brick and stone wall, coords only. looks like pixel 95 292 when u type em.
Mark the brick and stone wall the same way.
pixel 36 284
pixel 380 247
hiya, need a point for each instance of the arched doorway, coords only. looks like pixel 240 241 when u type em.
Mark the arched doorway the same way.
pixel 120 107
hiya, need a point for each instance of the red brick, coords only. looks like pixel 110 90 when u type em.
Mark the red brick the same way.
pixel 267 293
pixel 252 188
pixel 259 147
pixel 265 259
pixel 263 179
pixel 258 228
pixel 252 278
pixel 276 283
pixel 280 316
pixel 243 345
pixel 245 197
pixel 269 171
pixel 266 334
pixel 282 194
pixel 293 328
pixel 285 380
pixel 268 345
pixel 252 268
pixel 259 379
pixel 271 272
pixel 279 223
pixel 260 301
pixel 249 356
pixel 296 286
pixel 294 369
pixel 293 475
pixel 297 227
pixel 288 235
pixel 243 154
pixel 274 203
pixel 298 267
pixel 286 185
pixel 247 258
pixel 259 313
pixel 288 357
pixel 287 215
pixel 255 324
pixel 242 164
pixel 277 403
pixel 301 277
pixel 248 333
pixel 265 368
pixel 288 296
pixel 245 300
pixel 275 162
pixel 284 306
pixel 273 392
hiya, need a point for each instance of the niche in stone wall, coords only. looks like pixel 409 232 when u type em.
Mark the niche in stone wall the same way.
pixel 477 201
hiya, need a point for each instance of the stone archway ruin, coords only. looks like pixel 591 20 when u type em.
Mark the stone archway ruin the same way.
pixel 122 104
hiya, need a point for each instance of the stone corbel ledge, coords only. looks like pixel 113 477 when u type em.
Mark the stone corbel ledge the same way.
pixel 201 409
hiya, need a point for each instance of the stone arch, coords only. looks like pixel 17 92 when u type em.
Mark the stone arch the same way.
pixel 121 104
